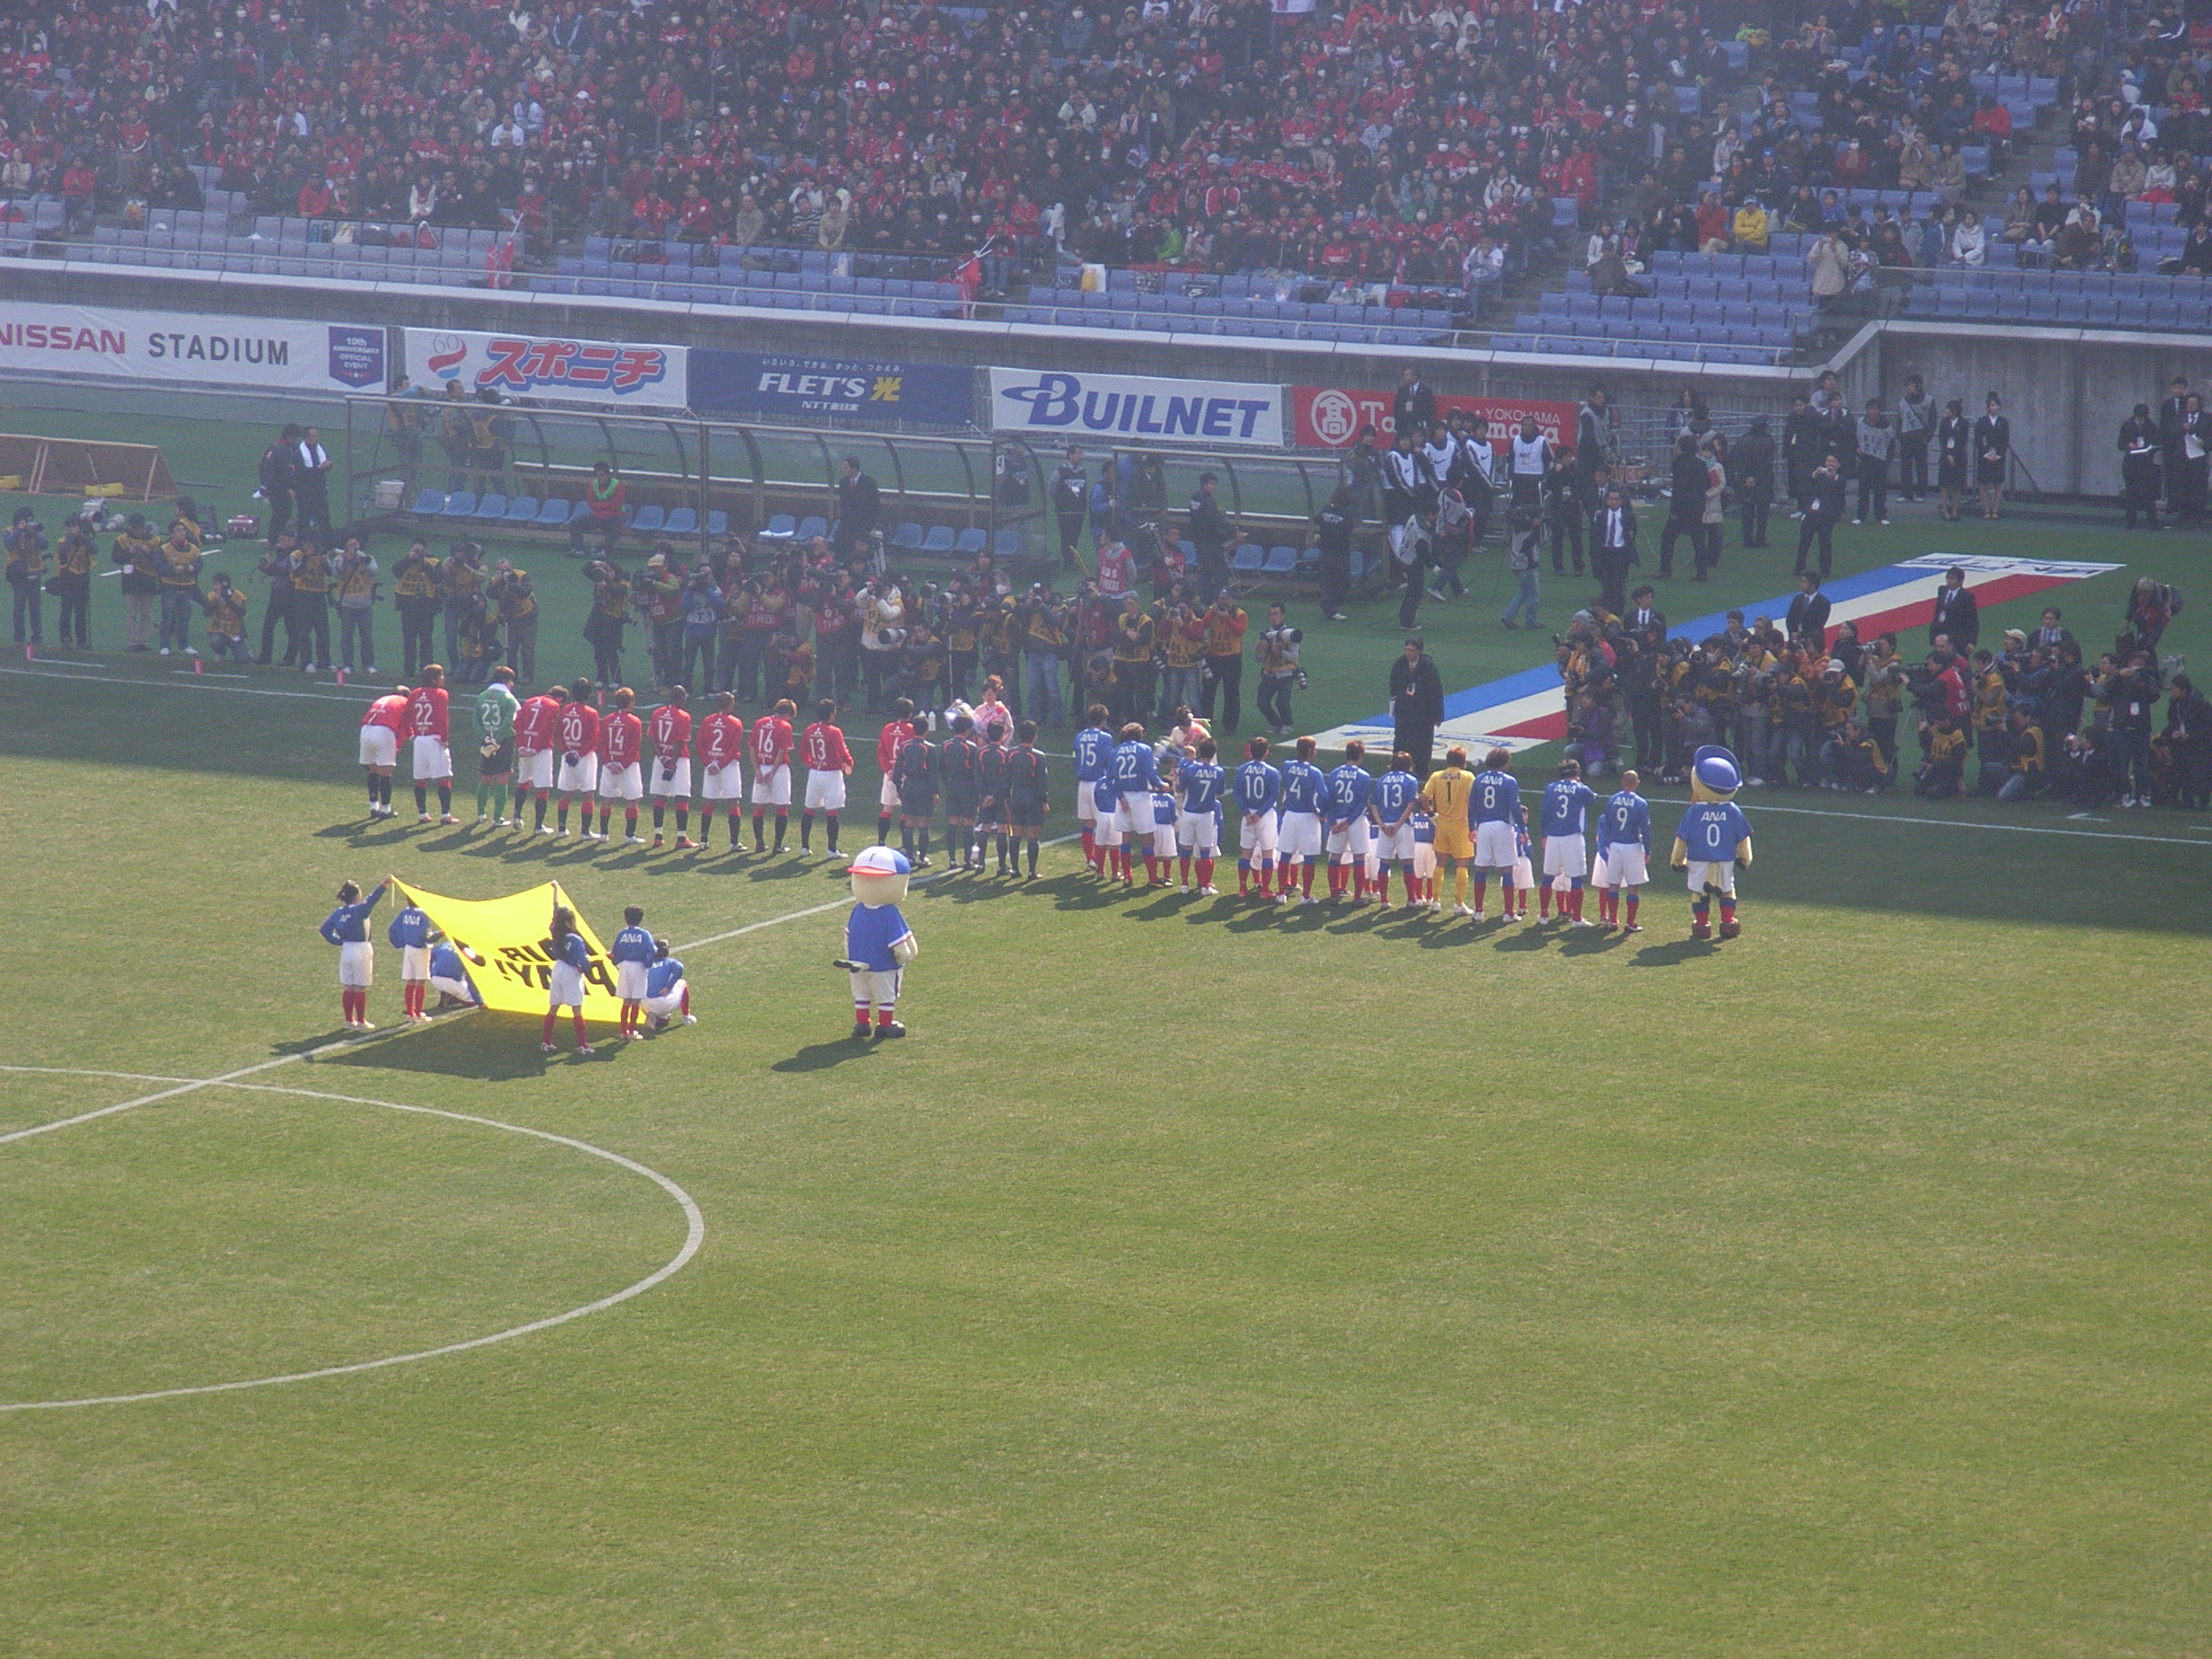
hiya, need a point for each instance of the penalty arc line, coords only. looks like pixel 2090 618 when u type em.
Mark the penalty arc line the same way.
pixel 695 1234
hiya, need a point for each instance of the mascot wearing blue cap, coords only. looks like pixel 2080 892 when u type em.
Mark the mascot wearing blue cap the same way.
pixel 878 943
pixel 1713 840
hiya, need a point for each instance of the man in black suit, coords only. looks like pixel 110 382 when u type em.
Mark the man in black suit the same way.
pixel 860 506
pixel 1808 611
pixel 1642 613
pixel 1957 614
pixel 1824 510
pixel 1685 513
pixel 1613 547
pixel 1416 704
pixel 1414 407
pixel 2169 440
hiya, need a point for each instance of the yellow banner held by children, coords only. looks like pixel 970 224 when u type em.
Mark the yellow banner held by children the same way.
pixel 508 946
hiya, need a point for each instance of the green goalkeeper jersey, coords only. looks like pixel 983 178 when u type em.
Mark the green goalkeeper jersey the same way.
pixel 495 708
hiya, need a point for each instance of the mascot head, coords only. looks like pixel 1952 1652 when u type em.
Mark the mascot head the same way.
pixel 880 877
pixel 1714 775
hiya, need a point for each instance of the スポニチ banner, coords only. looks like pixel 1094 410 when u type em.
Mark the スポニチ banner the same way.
pixel 552 366
pixel 185 348
pixel 1330 417
pixel 842 388
pixel 1053 404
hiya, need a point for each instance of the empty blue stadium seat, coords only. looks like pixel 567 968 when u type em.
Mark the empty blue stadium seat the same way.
pixel 908 537
pixel 553 512
pixel 1248 559
pixel 938 540
pixel 649 518
pixel 780 528
pixel 1280 562
pixel 682 521
pixel 972 540
pixel 522 509
pixel 813 526
pixel 430 501
pixel 718 522
pixel 1007 543
pixel 461 504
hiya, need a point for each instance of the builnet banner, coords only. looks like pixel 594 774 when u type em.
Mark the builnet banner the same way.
pixel 1057 405
pixel 1330 417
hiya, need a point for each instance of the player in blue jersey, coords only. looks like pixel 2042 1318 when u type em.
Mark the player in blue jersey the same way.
pixel 347 927
pixel 1565 808
pixel 1200 786
pixel 1623 853
pixel 1349 830
pixel 1422 884
pixel 1258 788
pixel 450 977
pixel 1094 747
pixel 1493 807
pixel 1524 868
pixel 667 992
pixel 1712 840
pixel 1132 778
pixel 1305 787
pixel 631 953
pixel 1160 856
pixel 571 958
pixel 1396 795
pixel 411 932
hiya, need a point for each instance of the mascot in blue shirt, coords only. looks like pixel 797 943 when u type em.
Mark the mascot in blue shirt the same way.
pixel 1713 840
pixel 878 943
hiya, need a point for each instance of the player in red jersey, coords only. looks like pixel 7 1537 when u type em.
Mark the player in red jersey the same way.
pixel 537 728
pixel 721 762
pixel 428 723
pixel 621 748
pixel 670 728
pixel 576 735
pixel 897 731
pixel 772 771
pixel 829 763
pixel 379 747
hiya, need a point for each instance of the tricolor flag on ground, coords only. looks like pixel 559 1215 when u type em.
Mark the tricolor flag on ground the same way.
pixel 1526 709
pixel 504 940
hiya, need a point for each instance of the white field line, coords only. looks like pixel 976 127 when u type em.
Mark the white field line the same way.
pixel 1758 807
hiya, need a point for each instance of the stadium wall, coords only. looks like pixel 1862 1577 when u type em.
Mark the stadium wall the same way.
pixel 2065 390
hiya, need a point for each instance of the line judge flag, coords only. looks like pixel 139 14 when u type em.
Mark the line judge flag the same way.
pixel 505 941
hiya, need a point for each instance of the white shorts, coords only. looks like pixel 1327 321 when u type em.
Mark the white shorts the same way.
pixel 1299 836
pixel 414 962
pixel 580 776
pixel 629 980
pixel 1107 830
pixel 1256 834
pixel 456 988
pixel 728 784
pixel 1199 831
pixel 674 784
pixel 1566 855
pixel 621 783
pixel 1721 872
pixel 1496 846
pixel 1424 859
pixel 1624 865
pixel 379 745
pixel 1136 814
pixel 356 964
pixel 568 988
pixel 1086 802
pixel 671 1003
pixel 1164 840
pixel 1350 841
pixel 880 989
pixel 888 796
pixel 772 787
pixel 534 768
pixel 1395 844
pixel 433 761
pixel 1524 875
pixel 825 791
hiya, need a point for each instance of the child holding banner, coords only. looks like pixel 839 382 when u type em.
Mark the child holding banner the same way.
pixel 347 927
pixel 571 956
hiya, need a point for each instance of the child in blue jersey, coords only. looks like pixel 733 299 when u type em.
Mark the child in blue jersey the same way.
pixel 412 932
pixel 1396 795
pixel 450 978
pixel 667 992
pixel 1350 786
pixel 631 953
pixel 1524 868
pixel 1094 745
pixel 347 927
pixel 1161 851
pixel 1713 838
pixel 1132 778
pixel 571 958
pixel 1566 804
pixel 1421 885
pixel 1624 852
pixel 1258 788
pixel 1305 787
pixel 1199 785
pixel 1493 807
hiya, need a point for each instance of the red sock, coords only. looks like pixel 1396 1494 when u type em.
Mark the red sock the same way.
pixel 1575 898
pixel 1243 879
pixel 1633 901
pixel 1727 909
pixel 687 1000
pixel 1482 883
pixel 1382 884
pixel 1206 873
pixel 551 1016
pixel 579 1013
pixel 1266 876
pixel 1090 849
pixel 1309 881
pixel 883 1016
pixel 1544 901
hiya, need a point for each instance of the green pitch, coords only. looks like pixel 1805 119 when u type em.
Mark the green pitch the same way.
pixel 1197 1278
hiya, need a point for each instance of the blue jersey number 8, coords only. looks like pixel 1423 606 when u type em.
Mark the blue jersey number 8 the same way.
pixel 1489 797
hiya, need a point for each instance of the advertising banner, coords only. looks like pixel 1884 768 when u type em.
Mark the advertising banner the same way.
pixel 1330 417
pixel 1053 404
pixel 551 366
pixel 185 347
pixel 503 941
pixel 841 388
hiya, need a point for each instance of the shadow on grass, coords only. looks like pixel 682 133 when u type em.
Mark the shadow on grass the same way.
pixel 487 1047
pixel 1674 953
pixel 820 1056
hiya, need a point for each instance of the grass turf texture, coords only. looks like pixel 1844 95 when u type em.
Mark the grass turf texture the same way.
pixel 1195 1279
